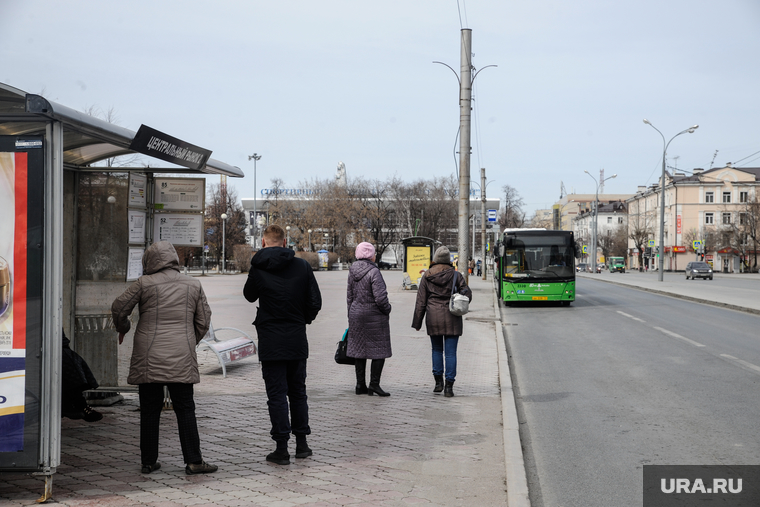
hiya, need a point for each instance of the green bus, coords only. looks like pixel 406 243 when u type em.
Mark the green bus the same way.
pixel 536 265
pixel 616 264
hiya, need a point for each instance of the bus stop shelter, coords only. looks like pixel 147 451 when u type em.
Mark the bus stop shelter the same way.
pixel 71 241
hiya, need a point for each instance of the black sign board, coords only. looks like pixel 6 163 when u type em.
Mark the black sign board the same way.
pixel 159 145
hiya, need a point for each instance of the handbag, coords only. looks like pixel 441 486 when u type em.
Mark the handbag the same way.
pixel 340 352
pixel 459 304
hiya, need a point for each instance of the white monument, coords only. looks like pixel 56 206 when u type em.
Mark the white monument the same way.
pixel 340 175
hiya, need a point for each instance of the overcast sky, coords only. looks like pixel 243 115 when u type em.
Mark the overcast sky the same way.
pixel 308 84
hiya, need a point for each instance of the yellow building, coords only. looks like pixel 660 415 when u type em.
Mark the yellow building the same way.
pixel 717 207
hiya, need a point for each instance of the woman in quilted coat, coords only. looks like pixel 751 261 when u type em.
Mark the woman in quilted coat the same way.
pixel 369 330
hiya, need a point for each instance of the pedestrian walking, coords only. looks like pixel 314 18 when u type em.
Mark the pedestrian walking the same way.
pixel 479 265
pixel 174 318
pixel 289 298
pixel 369 329
pixel 471 266
pixel 444 328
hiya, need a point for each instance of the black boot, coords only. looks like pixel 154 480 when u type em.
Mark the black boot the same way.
pixel 448 391
pixel 280 455
pixel 374 378
pixel 361 376
pixel 438 383
pixel 302 448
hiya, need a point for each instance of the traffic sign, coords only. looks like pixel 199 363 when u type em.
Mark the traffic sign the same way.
pixel 491 215
pixel 205 248
pixel 651 242
pixel 585 249
pixel 696 244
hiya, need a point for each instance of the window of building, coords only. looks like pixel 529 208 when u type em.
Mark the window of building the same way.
pixel 620 220
pixel 609 220
pixel 726 218
pixel 726 196
pixel 743 197
pixel 709 197
pixel 742 219
pixel 708 218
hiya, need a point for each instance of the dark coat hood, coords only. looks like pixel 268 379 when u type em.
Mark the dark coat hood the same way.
pixel 273 258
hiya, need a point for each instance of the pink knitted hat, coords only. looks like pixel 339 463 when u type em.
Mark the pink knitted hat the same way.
pixel 365 250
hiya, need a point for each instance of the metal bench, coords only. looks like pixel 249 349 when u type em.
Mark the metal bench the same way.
pixel 228 351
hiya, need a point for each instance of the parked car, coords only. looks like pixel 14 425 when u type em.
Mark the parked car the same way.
pixel 698 269
pixel 385 265
pixel 581 267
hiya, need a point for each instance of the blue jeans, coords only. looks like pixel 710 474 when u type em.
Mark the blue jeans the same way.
pixel 449 343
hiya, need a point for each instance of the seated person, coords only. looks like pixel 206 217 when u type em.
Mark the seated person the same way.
pixel 76 377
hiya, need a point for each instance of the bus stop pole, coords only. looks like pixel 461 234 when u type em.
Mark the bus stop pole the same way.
pixel 465 107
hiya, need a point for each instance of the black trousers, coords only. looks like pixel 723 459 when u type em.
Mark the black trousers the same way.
pixel 151 404
pixel 286 382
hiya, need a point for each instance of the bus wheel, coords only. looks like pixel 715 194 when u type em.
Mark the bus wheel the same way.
pixel 566 303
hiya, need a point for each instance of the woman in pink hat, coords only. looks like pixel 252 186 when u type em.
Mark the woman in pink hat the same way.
pixel 369 330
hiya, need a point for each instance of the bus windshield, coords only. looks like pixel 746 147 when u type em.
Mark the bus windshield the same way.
pixel 539 258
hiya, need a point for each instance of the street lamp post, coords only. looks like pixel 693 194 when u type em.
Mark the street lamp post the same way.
pixel 483 186
pixel 224 231
pixel 287 243
pixel 310 240
pixel 596 219
pixel 661 246
pixel 255 157
pixel 326 236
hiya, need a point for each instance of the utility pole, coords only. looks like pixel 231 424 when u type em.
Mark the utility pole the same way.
pixel 483 220
pixel 465 111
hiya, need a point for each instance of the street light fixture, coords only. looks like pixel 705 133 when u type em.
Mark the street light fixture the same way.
pixel 310 240
pixel 287 244
pixel 596 219
pixel 255 157
pixel 224 231
pixel 661 246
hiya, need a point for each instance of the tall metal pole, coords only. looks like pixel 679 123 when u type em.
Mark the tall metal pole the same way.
pixel 661 246
pixel 465 108
pixel 483 220
pixel 224 241
pixel 255 158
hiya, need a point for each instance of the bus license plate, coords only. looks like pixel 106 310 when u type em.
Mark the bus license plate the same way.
pixel 540 298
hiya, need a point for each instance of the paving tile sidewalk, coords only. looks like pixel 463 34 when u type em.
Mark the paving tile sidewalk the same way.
pixel 412 448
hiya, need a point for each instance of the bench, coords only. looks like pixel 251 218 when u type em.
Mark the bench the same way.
pixel 228 351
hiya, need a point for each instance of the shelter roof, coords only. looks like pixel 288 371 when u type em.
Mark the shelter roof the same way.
pixel 86 139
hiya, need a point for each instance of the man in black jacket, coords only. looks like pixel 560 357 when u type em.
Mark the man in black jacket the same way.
pixel 289 298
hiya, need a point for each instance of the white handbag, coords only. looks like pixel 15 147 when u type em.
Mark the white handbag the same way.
pixel 459 304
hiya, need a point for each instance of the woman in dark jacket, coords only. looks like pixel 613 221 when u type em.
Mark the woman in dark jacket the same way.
pixel 369 330
pixel 433 298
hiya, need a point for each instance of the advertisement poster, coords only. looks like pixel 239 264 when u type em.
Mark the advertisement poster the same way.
pixel 13 182
pixel 180 229
pixel 180 194
pixel 137 188
pixel 134 264
pixel 417 261
pixel 136 226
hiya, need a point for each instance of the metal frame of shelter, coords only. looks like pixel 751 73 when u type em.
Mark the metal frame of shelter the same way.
pixel 55 144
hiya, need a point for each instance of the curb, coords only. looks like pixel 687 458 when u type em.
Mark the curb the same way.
pixel 681 296
pixel 517 482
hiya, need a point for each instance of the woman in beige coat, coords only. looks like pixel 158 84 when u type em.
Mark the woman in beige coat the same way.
pixel 174 317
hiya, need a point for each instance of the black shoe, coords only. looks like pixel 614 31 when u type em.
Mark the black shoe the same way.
pixel 146 469
pixel 303 451
pixel 448 391
pixel 438 383
pixel 91 415
pixel 279 457
pixel 361 389
pixel 376 389
pixel 200 468
pixel 73 414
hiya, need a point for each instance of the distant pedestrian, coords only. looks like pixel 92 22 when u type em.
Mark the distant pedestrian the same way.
pixel 479 265
pixel 289 298
pixel 433 298
pixel 174 318
pixel 471 266
pixel 369 330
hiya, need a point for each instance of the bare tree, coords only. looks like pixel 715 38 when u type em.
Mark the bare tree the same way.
pixel 224 199
pixel 111 117
pixel 512 215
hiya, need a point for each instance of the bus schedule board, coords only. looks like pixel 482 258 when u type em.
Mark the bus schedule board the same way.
pixel 180 194
pixel 21 275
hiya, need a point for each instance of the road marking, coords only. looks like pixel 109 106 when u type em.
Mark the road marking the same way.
pixel 676 335
pixel 741 362
pixel 630 316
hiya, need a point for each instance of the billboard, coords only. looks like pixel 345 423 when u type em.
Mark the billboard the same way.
pixel 21 198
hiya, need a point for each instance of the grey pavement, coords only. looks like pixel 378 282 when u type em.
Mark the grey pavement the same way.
pixel 412 448
pixel 735 291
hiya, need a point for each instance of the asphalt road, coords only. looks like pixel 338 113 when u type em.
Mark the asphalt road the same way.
pixel 625 378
